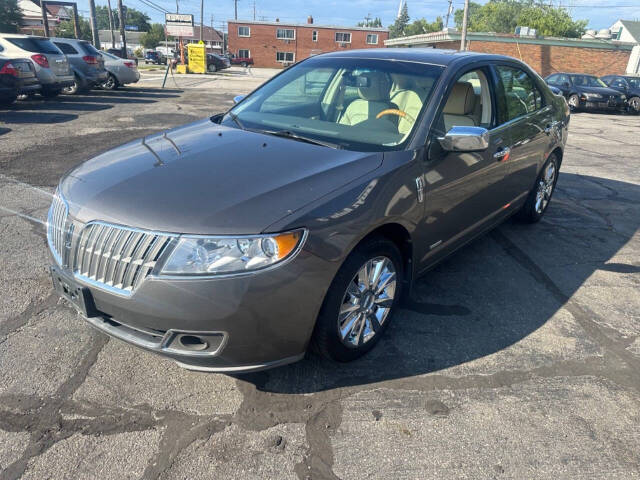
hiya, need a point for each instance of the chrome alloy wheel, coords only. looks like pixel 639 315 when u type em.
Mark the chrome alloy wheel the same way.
pixel 545 187
pixel 367 302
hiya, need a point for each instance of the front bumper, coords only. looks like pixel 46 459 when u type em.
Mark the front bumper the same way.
pixel 604 105
pixel 249 322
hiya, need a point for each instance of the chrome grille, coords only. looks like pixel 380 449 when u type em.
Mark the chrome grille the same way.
pixel 56 228
pixel 117 257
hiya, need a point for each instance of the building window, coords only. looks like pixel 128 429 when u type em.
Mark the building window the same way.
pixel 342 37
pixel 244 32
pixel 285 57
pixel 314 36
pixel 285 34
pixel 372 38
pixel 244 53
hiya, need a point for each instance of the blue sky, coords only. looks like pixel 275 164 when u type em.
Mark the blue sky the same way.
pixel 349 12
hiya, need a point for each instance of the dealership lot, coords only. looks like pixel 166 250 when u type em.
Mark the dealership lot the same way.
pixel 519 357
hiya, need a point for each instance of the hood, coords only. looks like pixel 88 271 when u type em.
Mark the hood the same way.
pixel 605 91
pixel 204 178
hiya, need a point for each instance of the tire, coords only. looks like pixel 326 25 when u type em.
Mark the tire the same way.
pixel 340 303
pixel 46 93
pixel 574 102
pixel 111 83
pixel 634 105
pixel 211 68
pixel 244 64
pixel 73 89
pixel 541 193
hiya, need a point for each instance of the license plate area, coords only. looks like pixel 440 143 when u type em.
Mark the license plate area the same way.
pixel 78 296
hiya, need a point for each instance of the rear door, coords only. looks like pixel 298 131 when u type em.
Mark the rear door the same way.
pixel 529 119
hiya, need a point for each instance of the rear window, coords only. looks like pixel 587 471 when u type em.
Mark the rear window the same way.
pixel 89 49
pixel 36 45
pixel 66 48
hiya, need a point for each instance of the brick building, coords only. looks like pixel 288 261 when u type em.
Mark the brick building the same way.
pixel 544 54
pixel 276 44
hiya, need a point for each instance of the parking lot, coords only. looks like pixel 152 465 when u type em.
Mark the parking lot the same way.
pixel 519 357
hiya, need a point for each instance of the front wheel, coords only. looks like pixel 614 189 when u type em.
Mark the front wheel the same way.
pixel 574 102
pixel 540 196
pixel 244 64
pixel 634 104
pixel 360 302
pixel 212 68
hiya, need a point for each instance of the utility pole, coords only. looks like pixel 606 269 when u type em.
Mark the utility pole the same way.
pixel 121 19
pixel 94 24
pixel 367 19
pixel 201 18
pixel 177 9
pixel 235 3
pixel 45 20
pixel 113 35
pixel 76 26
pixel 465 22
pixel 446 23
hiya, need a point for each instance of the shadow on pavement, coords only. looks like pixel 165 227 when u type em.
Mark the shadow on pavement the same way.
pixel 489 295
pixel 17 116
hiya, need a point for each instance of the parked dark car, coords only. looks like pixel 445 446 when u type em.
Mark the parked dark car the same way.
pixel 86 63
pixel 587 92
pixel 157 58
pixel 216 62
pixel 301 215
pixel 629 85
pixel 17 77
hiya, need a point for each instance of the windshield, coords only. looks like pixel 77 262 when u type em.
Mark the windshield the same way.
pixel 633 82
pixel 587 81
pixel 356 104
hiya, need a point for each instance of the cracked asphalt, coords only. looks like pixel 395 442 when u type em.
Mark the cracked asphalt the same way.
pixel 519 357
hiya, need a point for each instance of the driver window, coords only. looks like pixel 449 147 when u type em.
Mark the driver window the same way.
pixel 468 104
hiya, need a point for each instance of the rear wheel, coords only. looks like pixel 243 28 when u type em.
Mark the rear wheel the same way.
pixel 540 196
pixel 244 64
pixel 360 302
pixel 212 68
pixel 73 89
pixel 634 104
pixel 574 102
pixel 111 83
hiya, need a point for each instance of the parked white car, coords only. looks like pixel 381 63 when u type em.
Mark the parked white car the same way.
pixel 121 71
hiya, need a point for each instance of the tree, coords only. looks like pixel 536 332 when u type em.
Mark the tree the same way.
pixel 398 27
pixel 503 16
pixel 376 23
pixel 10 16
pixel 423 26
pixel 133 17
pixel 153 37
pixel 65 29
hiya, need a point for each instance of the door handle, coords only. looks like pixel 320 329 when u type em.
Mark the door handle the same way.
pixel 503 154
pixel 549 128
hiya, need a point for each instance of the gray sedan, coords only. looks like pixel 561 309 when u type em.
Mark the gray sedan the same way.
pixel 121 71
pixel 302 215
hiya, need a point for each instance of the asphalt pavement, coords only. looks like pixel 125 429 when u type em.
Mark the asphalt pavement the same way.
pixel 518 357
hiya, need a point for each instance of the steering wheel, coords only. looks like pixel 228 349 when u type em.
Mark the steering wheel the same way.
pixel 395 111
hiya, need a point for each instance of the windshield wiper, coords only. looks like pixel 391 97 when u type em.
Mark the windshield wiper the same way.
pixel 237 121
pixel 301 138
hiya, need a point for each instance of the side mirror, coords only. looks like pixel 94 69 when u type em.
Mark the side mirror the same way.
pixel 465 139
pixel 238 98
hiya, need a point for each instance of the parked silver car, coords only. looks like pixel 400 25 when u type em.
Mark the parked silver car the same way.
pixel 52 66
pixel 119 71
pixel 86 63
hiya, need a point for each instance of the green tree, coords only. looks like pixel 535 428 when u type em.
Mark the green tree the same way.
pixel 133 17
pixel 423 26
pixel 65 29
pixel 503 16
pixel 153 37
pixel 376 23
pixel 398 27
pixel 10 16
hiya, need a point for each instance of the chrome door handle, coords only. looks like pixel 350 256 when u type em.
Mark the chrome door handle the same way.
pixel 549 128
pixel 503 154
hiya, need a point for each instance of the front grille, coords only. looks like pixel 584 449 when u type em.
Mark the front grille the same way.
pixel 108 256
pixel 117 257
pixel 56 228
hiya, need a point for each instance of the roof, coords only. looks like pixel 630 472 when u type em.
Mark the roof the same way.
pixel 31 10
pixel 434 56
pixel 633 27
pixel 454 35
pixel 208 34
pixel 306 25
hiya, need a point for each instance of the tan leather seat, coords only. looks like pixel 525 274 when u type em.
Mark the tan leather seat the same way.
pixel 373 99
pixel 409 101
pixel 459 108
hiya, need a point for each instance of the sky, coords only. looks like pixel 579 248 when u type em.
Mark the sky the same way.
pixel 349 12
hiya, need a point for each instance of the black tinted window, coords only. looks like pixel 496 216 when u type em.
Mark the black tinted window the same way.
pixel 89 49
pixel 553 80
pixel 518 93
pixel 66 48
pixel 36 45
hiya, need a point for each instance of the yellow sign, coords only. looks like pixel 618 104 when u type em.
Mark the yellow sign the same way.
pixel 201 42
pixel 197 58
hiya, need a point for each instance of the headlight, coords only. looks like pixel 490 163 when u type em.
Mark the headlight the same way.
pixel 593 96
pixel 218 255
pixel 623 97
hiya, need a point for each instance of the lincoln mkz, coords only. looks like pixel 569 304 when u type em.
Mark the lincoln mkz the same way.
pixel 302 215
